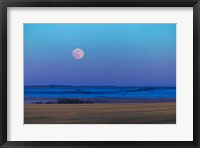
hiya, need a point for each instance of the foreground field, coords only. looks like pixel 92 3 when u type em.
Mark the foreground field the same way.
pixel 118 113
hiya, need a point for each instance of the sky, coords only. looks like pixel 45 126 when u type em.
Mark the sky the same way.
pixel 114 54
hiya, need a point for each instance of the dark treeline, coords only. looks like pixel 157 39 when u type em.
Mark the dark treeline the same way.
pixel 73 101
pixel 66 101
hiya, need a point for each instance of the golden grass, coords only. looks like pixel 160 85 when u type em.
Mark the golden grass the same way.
pixel 119 113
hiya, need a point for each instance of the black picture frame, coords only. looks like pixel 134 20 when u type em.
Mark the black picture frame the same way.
pixel 4 4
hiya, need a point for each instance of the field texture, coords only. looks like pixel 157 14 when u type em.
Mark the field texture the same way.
pixel 118 113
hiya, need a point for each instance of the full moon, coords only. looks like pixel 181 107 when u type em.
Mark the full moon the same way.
pixel 78 53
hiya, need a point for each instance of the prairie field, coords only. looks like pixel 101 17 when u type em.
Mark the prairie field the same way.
pixel 107 113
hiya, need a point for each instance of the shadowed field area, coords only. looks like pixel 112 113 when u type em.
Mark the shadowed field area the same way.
pixel 110 113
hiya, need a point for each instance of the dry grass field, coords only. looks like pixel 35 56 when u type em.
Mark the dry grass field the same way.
pixel 118 113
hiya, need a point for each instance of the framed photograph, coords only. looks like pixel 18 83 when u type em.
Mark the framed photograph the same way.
pixel 100 73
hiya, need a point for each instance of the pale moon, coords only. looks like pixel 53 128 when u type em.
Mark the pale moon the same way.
pixel 78 53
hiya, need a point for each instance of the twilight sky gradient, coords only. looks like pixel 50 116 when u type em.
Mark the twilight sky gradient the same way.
pixel 115 54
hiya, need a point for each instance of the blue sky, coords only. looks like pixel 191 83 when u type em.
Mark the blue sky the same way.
pixel 115 54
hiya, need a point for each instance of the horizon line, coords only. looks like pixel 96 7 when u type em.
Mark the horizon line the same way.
pixel 100 85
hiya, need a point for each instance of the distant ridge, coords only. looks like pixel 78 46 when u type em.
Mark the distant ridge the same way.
pixel 95 86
